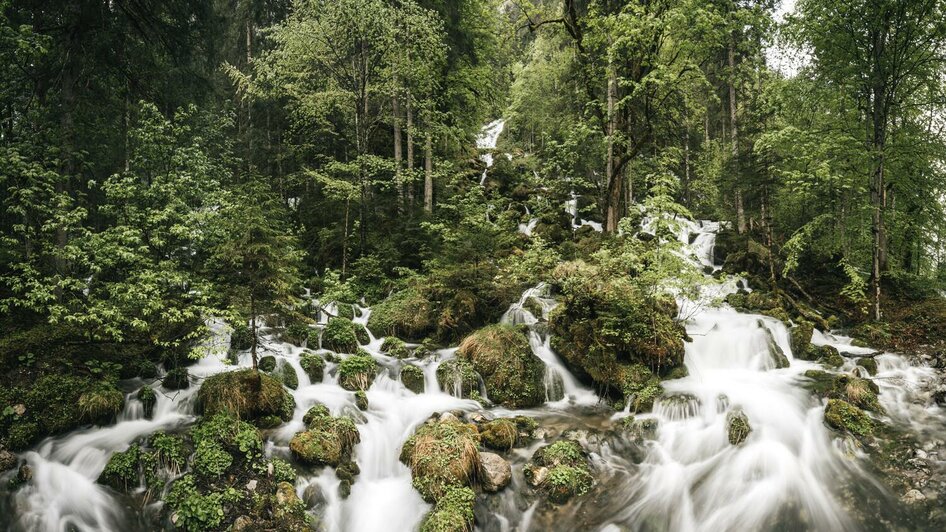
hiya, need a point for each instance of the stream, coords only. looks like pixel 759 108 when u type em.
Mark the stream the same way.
pixel 792 472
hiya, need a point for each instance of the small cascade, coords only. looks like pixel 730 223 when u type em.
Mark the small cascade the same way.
pixel 487 141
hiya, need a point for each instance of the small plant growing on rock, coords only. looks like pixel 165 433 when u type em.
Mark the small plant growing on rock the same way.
pixel 339 336
pixel 357 372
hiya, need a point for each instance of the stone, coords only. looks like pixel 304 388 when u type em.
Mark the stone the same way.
pixel 8 460
pixel 913 496
pixel 538 476
pixel 286 494
pixel 251 485
pixel 25 474
pixel 242 523
pixel 496 472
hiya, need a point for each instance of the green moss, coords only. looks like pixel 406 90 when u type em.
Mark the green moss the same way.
pixel 405 314
pixel 457 377
pixel 737 427
pixel 176 379
pixel 241 337
pixel 800 338
pixel 148 400
pixel 327 441
pixel 830 357
pixel 267 363
pixel 101 404
pixel 452 513
pixel 361 400
pixel 361 333
pixel 499 434
pixel 641 387
pixel 339 336
pixel 640 430
pixel 442 455
pixel 246 394
pixel 357 372
pixel 122 472
pixel 314 413
pixel 413 378
pixel 296 333
pixel 526 426
pixel 210 459
pixel 395 347
pixel 869 365
pixel 283 471
pixel 286 374
pixel 22 434
pixel 345 310
pixel 512 375
pixel 678 372
pixel 268 422
pixel 845 417
pixel 313 365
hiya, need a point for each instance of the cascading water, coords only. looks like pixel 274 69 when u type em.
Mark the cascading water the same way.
pixel 790 473
pixel 487 141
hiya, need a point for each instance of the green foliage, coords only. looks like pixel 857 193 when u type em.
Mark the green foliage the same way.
pixel 170 450
pixel 241 337
pixel 283 471
pixel 395 347
pixel 286 374
pixel 296 333
pixel 499 434
pixel 122 471
pixel 452 513
pixel 339 336
pixel 406 314
pixel 210 459
pixel 457 377
pixel 327 441
pixel 357 372
pixel 194 510
pixel 512 374
pixel 313 365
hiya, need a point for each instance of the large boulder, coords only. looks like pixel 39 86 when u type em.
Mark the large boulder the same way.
pixel 357 372
pixel 458 378
pixel 442 454
pixel 246 394
pixel 512 374
pixel 495 472
pixel 560 470
pixel 406 314
pixel 327 440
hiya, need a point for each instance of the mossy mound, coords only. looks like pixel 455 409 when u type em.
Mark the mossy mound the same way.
pixel 458 378
pixel 123 471
pixel 101 404
pixel 442 455
pixel 452 513
pixel 845 417
pixel 395 347
pixel 640 386
pixel 800 339
pixel 176 379
pixel 267 363
pixel 560 470
pixel 327 440
pixel 499 434
pixel 737 426
pixel 512 374
pixel 405 314
pixel 246 394
pixel 148 400
pixel 340 336
pixel 604 324
pixel 286 374
pixel 413 378
pixel 828 356
pixel 357 372
pixel 313 365
pixel 861 393
pixel 296 334
pixel 869 365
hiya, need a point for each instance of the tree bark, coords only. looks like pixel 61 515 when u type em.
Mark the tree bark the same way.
pixel 410 151
pixel 734 132
pixel 613 177
pixel 398 175
pixel 429 174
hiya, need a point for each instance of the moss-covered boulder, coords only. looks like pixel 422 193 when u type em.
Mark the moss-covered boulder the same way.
pixel 640 386
pixel 500 434
pixel 327 440
pixel 123 470
pixel 737 426
pixel 313 365
pixel 452 513
pixel 246 394
pixel 413 378
pixel 296 334
pixel 267 363
pixel 340 336
pixel 442 455
pixel 512 375
pixel 148 400
pixel 845 417
pixel 560 470
pixel 458 378
pixel 800 338
pixel 395 347
pixel 286 374
pixel 176 379
pixel 405 314
pixel 357 372
pixel 828 356
pixel 869 365
pixel 101 404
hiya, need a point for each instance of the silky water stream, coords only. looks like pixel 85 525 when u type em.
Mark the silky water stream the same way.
pixel 791 473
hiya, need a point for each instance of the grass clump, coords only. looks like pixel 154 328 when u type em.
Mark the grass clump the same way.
pixel 641 387
pixel 357 372
pixel 340 336
pixel 101 404
pixel 123 470
pixel 512 374
pixel 442 455
pixel 246 394
pixel 499 434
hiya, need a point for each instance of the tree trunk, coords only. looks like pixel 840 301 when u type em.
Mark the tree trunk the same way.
pixel 398 177
pixel 734 132
pixel 253 329
pixel 613 178
pixel 429 174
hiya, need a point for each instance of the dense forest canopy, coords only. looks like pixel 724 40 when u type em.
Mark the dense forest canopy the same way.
pixel 169 166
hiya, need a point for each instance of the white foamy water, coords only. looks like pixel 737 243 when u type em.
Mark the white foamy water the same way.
pixel 486 140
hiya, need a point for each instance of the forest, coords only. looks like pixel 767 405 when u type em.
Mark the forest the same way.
pixel 456 265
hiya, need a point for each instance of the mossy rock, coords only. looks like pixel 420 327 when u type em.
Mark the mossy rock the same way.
pixel 148 400
pixel 395 347
pixel 357 372
pixel 413 378
pixel 737 426
pixel 499 434
pixel 123 471
pixel 340 336
pixel 286 374
pixel 828 356
pixel 246 394
pixel 405 314
pixel 452 513
pixel 176 379
pixel 560 470
pixel 313 365
pixel 267 363
pixel 458 378
pixel 845 417
pixel 327 441
pixel 296 334
pixel 101 404
pixel 241 337
pixel 512 375
pixel 869 365
pixel 442 455
pixel 345 310
pixel 678 372
pixel 639 429
pixel 640 386
pixel 800 338
pixel 361 333
pixel 361 400
pixel 314 413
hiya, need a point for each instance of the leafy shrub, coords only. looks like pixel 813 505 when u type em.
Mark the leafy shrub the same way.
pixel 339 336
pixel 313 365
pixel 210 459
pixel 357 372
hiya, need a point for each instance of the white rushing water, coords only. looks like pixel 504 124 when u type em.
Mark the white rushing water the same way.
pixel 487 141
pixel 688 477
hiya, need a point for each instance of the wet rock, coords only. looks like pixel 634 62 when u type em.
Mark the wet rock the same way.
pixel 8 460
pixel 778 356
pixel 512 375
pixel 496 473
pixel 568 474
pixel 913 496
pixel 267 363
pixel 246 394
pixel 176 379
pixel 499 434
pixel 640 430
pixel 800 339
pixel 737 426
pixel 243 524
pixel 286 494
pixel 413 379
pixel 313 365
pixel 869 365
pixel 24 474
pixel 361 400
pixel 845 417
pixel 251 485
pixel 641 387
pixel 148 400
pixel 537 476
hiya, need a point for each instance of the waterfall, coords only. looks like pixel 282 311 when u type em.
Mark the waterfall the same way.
pixel 487 141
